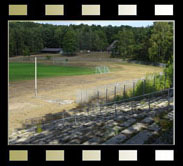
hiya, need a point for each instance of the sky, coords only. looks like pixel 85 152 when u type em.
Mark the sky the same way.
pixel 102 23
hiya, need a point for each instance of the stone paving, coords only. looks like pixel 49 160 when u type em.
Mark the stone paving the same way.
pixel 123 125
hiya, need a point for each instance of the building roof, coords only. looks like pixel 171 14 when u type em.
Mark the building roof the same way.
pixel 51 49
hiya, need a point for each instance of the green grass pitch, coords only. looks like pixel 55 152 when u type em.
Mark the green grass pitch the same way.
pixel 26 71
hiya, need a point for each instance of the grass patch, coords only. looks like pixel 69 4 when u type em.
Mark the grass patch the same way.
pixel 39 128
pixel 25 71
pixel 164 123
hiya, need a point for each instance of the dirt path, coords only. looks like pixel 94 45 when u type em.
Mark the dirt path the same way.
pixel 24 105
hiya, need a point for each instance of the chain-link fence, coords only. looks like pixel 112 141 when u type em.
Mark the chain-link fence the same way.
pixel 108 92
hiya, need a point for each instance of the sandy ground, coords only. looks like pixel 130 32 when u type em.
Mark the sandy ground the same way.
pixel 24 105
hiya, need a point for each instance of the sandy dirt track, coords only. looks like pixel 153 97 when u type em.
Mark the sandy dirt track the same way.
pixel 24 105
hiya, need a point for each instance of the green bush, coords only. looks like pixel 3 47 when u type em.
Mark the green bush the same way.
pixel 48 57
pixel 169 73
pixel 151 83
pixel 39 128
pixel 26 51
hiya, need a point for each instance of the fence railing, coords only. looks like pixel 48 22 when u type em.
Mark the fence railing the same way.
pixel 108 92
pixel 115 108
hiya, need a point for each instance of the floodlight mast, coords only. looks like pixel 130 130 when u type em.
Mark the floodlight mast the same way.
pixel 35 76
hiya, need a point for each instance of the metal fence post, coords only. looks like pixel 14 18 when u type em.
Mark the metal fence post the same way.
pixel 115 92
pixel 124 91
pixel 169 97
pixel 100 109
pixel 63 118
pixel 154 81
pixel 98 95
pixel 149 103
pixel 131 105
pixel 165 81
pixel 87 111
pixel 75 120
pixel 81 97
pixel 115 111
pixel 144 86
pixel 86 97
pixel 106 94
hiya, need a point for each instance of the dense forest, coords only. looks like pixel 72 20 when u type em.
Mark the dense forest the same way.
pixel 153 43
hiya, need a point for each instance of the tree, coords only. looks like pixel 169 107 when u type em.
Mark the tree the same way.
pixel 125 45
pixel 70 43
pixel 161 48
pixel 12 42
pixel 99 41
pixel 85 38
pixel 59 35
pixel 153 43
pixel 142 43
pixel 26 51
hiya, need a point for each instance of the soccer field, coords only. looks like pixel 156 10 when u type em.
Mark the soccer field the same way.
pixel 62 82
pixel 26 71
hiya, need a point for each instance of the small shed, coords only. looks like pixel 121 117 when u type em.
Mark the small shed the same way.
pixel 52 50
